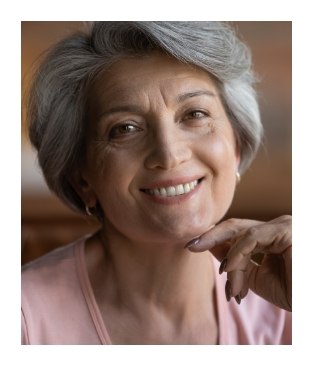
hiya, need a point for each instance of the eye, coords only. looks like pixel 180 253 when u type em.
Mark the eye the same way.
pixel 196 114
pixel 196 117
pixel 123 130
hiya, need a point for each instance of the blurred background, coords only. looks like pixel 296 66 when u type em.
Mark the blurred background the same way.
pixel 264 191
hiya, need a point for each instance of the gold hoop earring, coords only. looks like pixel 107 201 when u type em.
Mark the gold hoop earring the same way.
pixel 238 177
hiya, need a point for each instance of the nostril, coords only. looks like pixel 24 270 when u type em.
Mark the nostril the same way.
pixel 167 158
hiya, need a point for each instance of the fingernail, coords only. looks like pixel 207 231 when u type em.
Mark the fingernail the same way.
pixel 192 242
pixel 238 299
pixel 223 266
pixel 228 291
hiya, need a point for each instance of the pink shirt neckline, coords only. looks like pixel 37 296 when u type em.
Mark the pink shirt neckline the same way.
pixel 89 294
pixel 95 311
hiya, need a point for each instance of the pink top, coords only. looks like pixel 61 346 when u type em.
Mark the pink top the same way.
pixel 59 306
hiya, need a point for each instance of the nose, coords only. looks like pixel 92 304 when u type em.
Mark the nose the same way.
pixel 168 149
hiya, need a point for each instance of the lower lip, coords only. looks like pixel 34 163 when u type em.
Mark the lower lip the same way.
pixel 173 200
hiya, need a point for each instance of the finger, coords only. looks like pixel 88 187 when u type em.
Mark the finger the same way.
pixel 220 234
pixel 264 238
pixel 245 290
pixel 274 272
pixel 237 279
pixel 239 282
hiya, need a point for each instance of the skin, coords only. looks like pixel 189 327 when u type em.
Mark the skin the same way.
pixel 155 122
pixel 239 242
pixel 167 143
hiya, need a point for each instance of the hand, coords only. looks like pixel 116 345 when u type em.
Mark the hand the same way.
pixel 256 255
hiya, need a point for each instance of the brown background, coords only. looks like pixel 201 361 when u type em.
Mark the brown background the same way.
pixel 264 191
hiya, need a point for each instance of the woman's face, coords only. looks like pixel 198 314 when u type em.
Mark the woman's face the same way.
pixel 161 157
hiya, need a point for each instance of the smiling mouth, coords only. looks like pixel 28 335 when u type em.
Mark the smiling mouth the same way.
pixel 173 191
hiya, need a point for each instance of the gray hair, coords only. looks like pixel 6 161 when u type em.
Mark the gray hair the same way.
pixel 57 108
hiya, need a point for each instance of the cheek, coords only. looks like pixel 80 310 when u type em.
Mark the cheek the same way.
pixel 112 177
pixel 218 152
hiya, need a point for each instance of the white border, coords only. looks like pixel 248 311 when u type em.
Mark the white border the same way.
pixel 300 14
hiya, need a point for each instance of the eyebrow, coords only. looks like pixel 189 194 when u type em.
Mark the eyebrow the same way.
pixel 184 96
pixel 136 109
pixel 120 109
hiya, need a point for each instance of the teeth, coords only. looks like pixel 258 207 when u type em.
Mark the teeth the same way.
pixel 180 189
pixel 187 188
pixel 173 190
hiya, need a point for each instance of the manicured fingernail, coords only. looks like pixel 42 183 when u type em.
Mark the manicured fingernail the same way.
pixel 192 242
pixel 238 299
pixel 223 266
pixel 228 291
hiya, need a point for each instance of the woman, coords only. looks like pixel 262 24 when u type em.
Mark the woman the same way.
pixel 148 126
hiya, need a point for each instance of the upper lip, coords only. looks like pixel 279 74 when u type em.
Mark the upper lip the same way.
pixel 171 182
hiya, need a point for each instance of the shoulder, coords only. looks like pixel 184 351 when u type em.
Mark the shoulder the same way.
pixel 52 298
pixel 55 271
pixel 49 267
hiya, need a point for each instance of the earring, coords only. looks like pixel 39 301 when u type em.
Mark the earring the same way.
pixel 238 177
pixel 88 212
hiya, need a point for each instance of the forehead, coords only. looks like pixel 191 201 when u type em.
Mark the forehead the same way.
pixel 132 77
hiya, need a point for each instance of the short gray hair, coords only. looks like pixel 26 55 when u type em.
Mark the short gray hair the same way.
pixel 57 108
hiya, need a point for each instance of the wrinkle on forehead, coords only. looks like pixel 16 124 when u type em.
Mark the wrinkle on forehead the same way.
pixel 134 81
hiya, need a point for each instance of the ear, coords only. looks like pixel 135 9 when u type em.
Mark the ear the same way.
pixel 80 182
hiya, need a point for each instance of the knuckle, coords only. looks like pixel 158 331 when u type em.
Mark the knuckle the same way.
pixel 252 231
pixel 287 218
pixel 283 219
pixel 232 221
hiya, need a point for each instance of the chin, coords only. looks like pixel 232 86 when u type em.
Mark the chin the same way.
pixel 194 227
pixel 183 234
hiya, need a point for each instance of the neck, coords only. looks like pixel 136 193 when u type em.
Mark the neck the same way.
pixel 155 283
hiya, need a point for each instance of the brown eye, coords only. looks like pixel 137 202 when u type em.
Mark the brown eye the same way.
pixel 123 130
pixel 196 117
pixel 197 114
